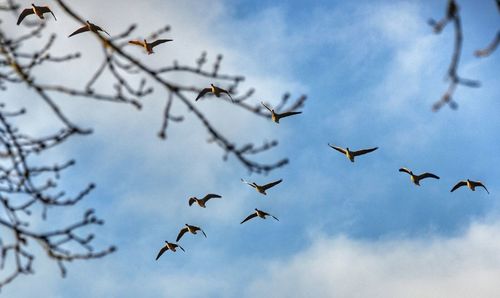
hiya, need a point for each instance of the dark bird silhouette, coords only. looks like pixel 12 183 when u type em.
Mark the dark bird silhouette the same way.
pixel 88 27
pixel 167 246
pixel 470 184
pixel 351 154
pixel 215 90
pixel 259 213
pixel 191 229
pixel 416 178
pixel 204 200
pixel 149 46
pixel 277 116
pixel 37 10
pixel 262 188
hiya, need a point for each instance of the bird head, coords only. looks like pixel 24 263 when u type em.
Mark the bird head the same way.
pixel 87 21
pixel 186 225
pixel 33 4
pixel 212 85
pixel 145 40
pixel 256 209
pixel 347 148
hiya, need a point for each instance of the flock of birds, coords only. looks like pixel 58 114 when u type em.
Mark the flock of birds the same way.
pixel 275 117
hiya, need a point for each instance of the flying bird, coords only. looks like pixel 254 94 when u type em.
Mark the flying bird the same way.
pixel 215 90
pixel 190 229
pixel 203 201
pixel 262 188
pixel 149 46
pixel 88 27
pixel 259 213
pixel 277 116
pixel 167 246
pixel 351 154
pixel 470 184
pixel 416 178
pixel 37 10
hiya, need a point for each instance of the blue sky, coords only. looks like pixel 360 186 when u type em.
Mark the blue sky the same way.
pixel 371 72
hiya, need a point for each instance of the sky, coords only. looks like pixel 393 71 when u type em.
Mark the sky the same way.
pixel 371 71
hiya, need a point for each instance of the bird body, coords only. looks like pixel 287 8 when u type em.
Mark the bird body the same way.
pixel 88 27
pixel 259 213
pixel 351 154
pixel 275 117
pixel 148 46
pixel 470 184
pixel 191 229
pixel 37 10
pixel 214 90
pixel 202 202
pixel 416 178
pixel 168 246
pixel 262 188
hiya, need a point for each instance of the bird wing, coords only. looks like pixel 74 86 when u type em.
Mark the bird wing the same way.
pixel 180 247
pixel 203 232
pixel 428 175
pixel 269 185
pixel 341 150
pixel 459 184
pixel 136 42
pixel 479 183
pixel 225 91
pixel 244 181
pixel 23 14
pixel 191 201
pixel 100 29
pixel 159 41
pixel 46 9
pixel 286 114
pixel 249 217
pixel 268 108
pixel 210 196
pixel 364 151
pixel 203 92
pixel 162 250
pixel 267 214
pixel 80 30
pixel 181 233
pixel 405 170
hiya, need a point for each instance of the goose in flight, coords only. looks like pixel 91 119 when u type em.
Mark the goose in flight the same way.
pixel 470 184
pixel 167 246
pixel 259 213
pixel 277 116
pixel 262 188
pixel 416 178
pixel 190 229
pixel 215 90
pixel 148 46
pixel 37 10
pixel 351 154
pixel 201 202
pixel 88 27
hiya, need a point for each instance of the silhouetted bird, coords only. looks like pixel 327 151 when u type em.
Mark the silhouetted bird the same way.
pixel 451 9
pixel 262 188
pixel 149 46
pixel 191 229
pixel 88 27
pixel 204 200
pixel 470 184
pixel 215 90
pixel 259 213
pixel 277 116
pixel 351 154
pixel 37 10
pixel 416 178
pixel 168 245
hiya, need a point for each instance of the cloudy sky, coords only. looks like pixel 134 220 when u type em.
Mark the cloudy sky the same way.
pixel 371 72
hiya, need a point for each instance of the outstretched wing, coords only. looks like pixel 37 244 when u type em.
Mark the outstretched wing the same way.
pixel 268 108
pixel 480 184
pixel 191 201
pixel 81 30
pixel 203 232
pixel 286 114
pixel 227 92
pixel 364 151
pixel 100 29
pixel 405 170
pixel 249 217
pixel 46 9
pixel 162 250
pixel 244 181
pixel 159 41
pixel 203 92
pixel 210 196
pixel 459 184
pixel 428 175
pixel 136 42
pixel 180 247
pixel 341 150
pixel 181 233
pixel 269 185
pixel 23 14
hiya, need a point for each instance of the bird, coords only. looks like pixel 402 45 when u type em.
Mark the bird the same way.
pixel 259 213
pixel 88 27
pixel 351 154
pixel 149 46
pixel 167 246
pixel 451 9
pixel 215 90
pixel 470 184
pixel 203 201
pixel 277 116
pixel 37 10
pixel 416 178
pixel 262 188
pixel 191 229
